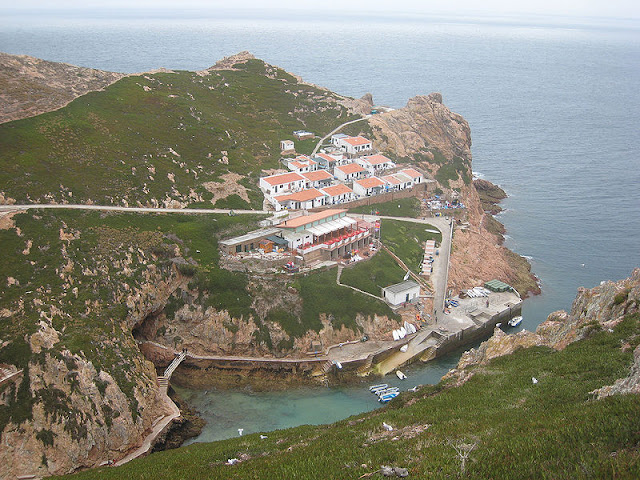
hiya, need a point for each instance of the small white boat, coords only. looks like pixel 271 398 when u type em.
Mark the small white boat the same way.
pixel 515 321
pixel 404 348
pixel 376 387
pixel 400 375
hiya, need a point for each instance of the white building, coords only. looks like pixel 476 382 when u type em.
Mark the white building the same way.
pixel 302 164
pixel 317 179
pixel 368 187
pixel 325 235
pixel 415 175
pixel 287 146
pixel 337 194
pixel 349 172
pixel 328 161
pixel 407 291
pixel 335 139
pixel 352 145
pixel 303 134
pixel 397 181
pixel 304 199
pixel 282 183
pixel 375 164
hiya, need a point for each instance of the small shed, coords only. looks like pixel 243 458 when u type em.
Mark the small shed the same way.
pixel 287 146
pixel 407 291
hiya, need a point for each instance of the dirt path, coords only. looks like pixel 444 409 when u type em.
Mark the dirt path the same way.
pixel 315 150
pixel 113 208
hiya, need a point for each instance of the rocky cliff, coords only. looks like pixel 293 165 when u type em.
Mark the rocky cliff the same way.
pixel 71 296
pixel 428 134
pixel 602 307
pixel 30 86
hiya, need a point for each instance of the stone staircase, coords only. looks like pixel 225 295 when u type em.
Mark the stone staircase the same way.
pixel 365 369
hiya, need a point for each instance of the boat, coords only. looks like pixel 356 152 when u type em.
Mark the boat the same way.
pixel 386 391
pixel 515 321
pixel 404 348
pixel 388 396
pixel 400 375
pixel 380 385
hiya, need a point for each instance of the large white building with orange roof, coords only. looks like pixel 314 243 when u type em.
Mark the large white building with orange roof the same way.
pixel 326 235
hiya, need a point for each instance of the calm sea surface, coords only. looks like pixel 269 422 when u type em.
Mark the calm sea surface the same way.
pixel 554 109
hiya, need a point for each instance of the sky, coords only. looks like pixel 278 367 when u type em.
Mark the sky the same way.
pixel 629 9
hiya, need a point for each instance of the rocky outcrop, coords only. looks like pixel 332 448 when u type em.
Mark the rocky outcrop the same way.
pixel 424 125
pixel 30 86
pixel 439 141
pixel 602 307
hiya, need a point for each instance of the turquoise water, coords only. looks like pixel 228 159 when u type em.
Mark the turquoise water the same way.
pixel 227 411
pixel 554 111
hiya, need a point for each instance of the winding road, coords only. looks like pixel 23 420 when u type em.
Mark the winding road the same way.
pixel 337 129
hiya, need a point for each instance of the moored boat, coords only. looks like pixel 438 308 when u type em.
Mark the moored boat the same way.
pixel 400 375
pixel 515 321
pixel 388 396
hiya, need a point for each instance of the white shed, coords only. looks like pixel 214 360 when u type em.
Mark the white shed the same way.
pixel 407 291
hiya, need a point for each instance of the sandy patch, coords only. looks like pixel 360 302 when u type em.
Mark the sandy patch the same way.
pixel 229 186
pixel 6 220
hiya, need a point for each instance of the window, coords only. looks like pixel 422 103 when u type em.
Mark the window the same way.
pixel 238 248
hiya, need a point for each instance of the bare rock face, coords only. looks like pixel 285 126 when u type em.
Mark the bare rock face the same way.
pixel 425 123
pixel 30 86
pixel 601 307
pixel 623 386
pixel 227 63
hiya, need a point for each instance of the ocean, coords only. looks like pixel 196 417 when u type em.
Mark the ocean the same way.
pixel 553 106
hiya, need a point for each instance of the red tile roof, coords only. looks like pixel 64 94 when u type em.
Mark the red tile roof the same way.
pixel 391 179
pixel 304 219
pixel 355 141
pixel 351 168
pixel 282 178
pixel 339 189
pixel 376 159
pixel 317 175
pixel 370 182
pixel 411 172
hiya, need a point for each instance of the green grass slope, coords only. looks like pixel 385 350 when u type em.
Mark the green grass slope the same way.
pixel 154 138
pixel 552 429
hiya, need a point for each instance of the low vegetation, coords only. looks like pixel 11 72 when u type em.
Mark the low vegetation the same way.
pixel 373 274
pixel 406 240
pixel 322 295
pixel 404 207
pixel 517 428
pixel 163 137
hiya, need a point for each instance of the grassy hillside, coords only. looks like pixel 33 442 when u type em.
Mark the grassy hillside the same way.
pixel 552 429
pixel 155 138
